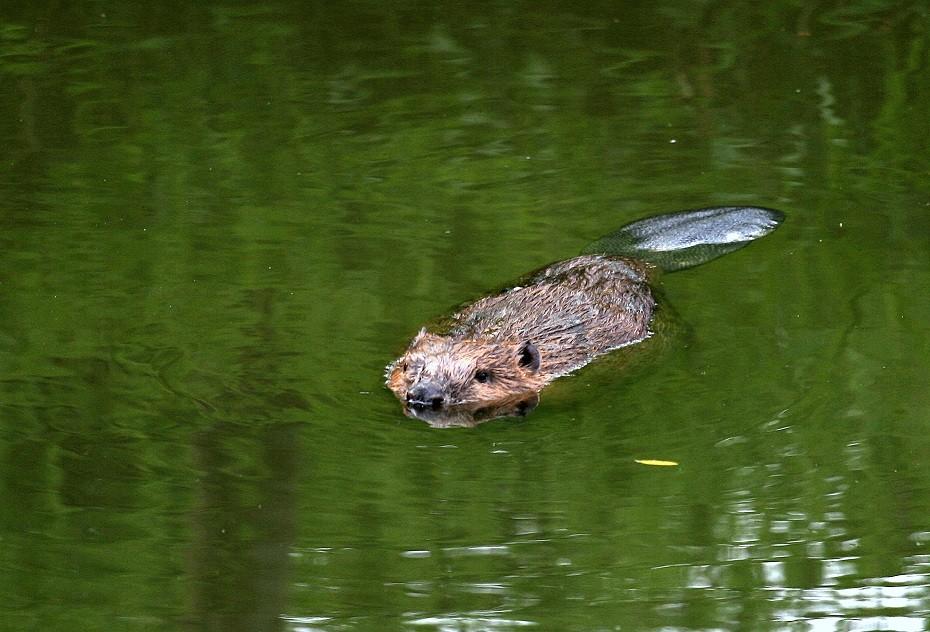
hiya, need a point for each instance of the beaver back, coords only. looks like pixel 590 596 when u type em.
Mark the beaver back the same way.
pixel 572 310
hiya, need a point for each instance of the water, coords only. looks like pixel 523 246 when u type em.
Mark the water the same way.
pixel 218 223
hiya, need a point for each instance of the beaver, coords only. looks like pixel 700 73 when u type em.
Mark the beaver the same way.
pixel 493 356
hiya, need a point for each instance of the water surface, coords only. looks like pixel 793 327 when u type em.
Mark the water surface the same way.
pixel 219 221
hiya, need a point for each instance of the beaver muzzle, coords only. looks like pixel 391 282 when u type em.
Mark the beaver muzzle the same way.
pixel 426 395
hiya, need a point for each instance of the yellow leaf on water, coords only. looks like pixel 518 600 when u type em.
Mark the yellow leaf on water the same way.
pixel 657 462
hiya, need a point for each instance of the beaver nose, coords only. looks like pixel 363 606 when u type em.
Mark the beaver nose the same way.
pixel 426 395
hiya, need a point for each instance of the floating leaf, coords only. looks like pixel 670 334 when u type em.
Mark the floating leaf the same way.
pixel 657 462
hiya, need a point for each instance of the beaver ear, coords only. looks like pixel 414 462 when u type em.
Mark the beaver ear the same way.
pixel 528 356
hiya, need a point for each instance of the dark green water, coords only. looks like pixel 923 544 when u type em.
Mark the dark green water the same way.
pixel 218 222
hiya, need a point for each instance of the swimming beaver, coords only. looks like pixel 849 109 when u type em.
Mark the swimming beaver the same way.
pixel 494 355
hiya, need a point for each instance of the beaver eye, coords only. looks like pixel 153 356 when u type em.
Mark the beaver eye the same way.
pixel 482 376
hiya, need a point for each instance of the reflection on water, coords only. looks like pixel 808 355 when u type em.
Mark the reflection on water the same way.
pixel 217 224
pixel 469 416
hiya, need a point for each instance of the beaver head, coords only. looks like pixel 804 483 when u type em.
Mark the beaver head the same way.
pixel 442 371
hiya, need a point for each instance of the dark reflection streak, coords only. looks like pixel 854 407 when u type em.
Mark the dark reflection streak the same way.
pixel 22 486
pixel 746 578
pixel 241 536
pixel 27 116
pixel 244 525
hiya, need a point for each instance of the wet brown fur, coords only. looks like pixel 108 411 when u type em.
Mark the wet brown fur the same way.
pixel 557 321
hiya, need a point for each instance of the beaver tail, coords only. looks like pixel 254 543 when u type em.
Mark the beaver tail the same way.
pixel 675 241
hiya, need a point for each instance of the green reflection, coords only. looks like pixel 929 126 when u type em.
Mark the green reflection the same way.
pixel 219 221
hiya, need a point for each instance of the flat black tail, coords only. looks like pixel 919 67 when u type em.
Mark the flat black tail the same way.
pixel 675 241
